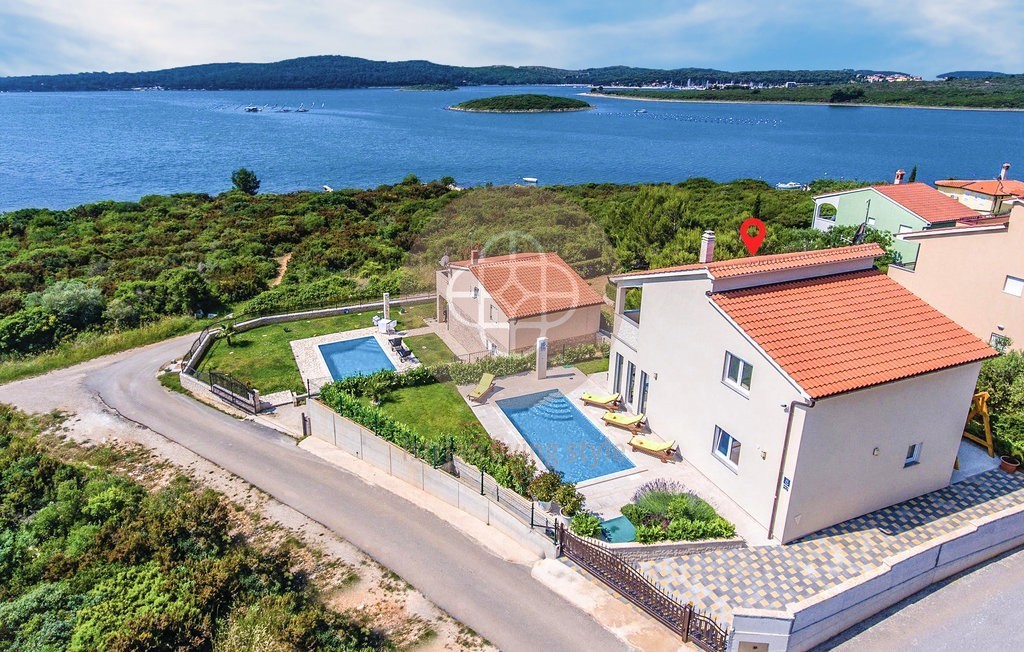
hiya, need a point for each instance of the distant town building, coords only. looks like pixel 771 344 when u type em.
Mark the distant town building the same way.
pixel 989 196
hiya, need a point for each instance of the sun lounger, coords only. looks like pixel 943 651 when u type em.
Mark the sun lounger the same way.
pixel 403 352
pixel 395 342
pixel 661 449
pixel 634 423
pixel 485 385
pixel 606 401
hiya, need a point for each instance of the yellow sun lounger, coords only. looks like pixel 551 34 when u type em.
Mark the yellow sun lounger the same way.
pixel 485 385
pixel 662 449
pixel 606 401
pixel 633 424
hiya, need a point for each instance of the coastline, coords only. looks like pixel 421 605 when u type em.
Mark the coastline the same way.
pixel 795 103
pixel 457 108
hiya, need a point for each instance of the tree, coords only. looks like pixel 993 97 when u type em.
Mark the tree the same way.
pixel 756 211
pixel 245 180
pixel 913 175
pixel 75 304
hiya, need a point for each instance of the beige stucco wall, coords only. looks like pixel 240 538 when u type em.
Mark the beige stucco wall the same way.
pixel 982 203
pixel 473 320
pixel 568 327
pixel 962 274
pixel 837 474
pixel 683 340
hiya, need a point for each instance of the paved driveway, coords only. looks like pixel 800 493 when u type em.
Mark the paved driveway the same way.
pixel 496 598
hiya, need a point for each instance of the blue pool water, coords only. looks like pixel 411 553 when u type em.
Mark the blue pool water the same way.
pixel 353 357
pixel 562 437
pixel 618 530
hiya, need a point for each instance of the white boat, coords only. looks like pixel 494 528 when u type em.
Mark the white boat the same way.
pixel 640 111
pixel 530 179
pixel 252 108
pixel 792 185
pixel 302 109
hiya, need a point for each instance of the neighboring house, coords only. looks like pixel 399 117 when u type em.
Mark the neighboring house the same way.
pixel 502 304
pixel 974 273
pixel 896 208
pixel 988 196
pixel 810 387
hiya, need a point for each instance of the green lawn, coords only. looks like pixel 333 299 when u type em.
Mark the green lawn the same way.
pixel 431 410
pixel 429 349
pixel 593 366
pixel 263 355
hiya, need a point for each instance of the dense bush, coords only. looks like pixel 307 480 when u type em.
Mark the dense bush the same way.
pixel 90 560
pixel 586 524
pixel 1003 379
pixel 662 510
pixel 467 373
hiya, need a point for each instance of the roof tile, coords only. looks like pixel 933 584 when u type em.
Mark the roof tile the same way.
pixel 834 334
pixel 530 284
pixel 926 202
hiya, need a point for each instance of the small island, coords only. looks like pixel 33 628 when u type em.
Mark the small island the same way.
pixel 430 87
pixel 526 103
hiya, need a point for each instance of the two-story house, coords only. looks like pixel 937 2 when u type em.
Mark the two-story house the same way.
pixel 973 272
pixel 987 196
pixel 896 208
pixel 810 387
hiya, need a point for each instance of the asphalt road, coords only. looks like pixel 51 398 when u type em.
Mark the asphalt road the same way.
pixel 976 610
pixel 496 598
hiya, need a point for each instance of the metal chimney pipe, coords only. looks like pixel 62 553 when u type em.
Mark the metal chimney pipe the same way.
pixel 1002 173
pixel 899 177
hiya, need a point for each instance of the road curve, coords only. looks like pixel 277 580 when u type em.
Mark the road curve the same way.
pixel 496 598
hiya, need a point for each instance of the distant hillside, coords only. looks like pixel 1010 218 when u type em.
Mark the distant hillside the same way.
pixel 331 71
pixel 971 74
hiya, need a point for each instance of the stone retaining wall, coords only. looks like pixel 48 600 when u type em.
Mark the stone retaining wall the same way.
pixel 250 324
pixel 331 427
pixel 637 552
pixel 815 620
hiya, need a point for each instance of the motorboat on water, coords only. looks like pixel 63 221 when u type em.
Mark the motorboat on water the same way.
pixel 252 108
pixel 791 185
pixel 530 180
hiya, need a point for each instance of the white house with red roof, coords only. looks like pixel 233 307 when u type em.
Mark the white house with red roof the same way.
pixel 502 304
pixel 810 387
pixel 897 208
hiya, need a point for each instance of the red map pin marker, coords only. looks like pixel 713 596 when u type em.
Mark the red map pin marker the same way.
pixel 753 242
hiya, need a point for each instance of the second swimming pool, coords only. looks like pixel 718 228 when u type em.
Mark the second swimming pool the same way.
pixel 562 437
pixel 354 357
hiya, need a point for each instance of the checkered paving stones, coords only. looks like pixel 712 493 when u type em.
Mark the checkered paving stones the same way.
pixel 774 576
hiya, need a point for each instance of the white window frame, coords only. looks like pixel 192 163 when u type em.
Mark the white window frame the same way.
pixel 1013 285
pixel 871 221
pixel 913 455
pixel 619 365
pixel 645 382
pixel 737 383
pixel 905 229
pixel 476 292
pixel 735 447
pixel 630 381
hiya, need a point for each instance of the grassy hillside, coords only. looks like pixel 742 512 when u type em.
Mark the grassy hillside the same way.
pixel 69 279
pixel 92 560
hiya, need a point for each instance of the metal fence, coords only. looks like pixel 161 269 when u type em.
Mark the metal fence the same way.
pixel 523 509
pixel 231 390
pixel 683 619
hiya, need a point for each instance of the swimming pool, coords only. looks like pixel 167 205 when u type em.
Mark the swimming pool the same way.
pixel 562 437
pixel 354 357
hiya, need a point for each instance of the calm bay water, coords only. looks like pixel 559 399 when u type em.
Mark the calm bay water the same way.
pixel 60 150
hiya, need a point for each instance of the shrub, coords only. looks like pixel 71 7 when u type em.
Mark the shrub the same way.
pixel 463 373
pixel 585 524
pixel 662 510
pixel 569 499
pixel 545 486
pixel 649 533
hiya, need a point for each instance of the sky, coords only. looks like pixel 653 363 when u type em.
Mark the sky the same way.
pixel 924 37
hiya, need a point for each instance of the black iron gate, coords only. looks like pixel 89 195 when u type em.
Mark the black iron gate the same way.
pixel 683 619
pixel 231 390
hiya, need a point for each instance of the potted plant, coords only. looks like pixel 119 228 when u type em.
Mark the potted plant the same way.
pixel 569 499
pixel 586 524
pixel 1009 463
pixel 543 488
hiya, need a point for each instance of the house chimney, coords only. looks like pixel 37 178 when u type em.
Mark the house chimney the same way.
pixel 899 177
pixel 707 247
pixel 474 256
pixel 1002 173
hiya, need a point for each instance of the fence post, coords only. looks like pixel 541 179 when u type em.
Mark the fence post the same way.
pixel 531 513
pixel 482 493
pixel 686 622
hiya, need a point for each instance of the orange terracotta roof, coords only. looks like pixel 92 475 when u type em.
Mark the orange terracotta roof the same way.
pixel 953 183
pixel 835 334
pixel 530 284
pixel 992 187
pixel 773 263
pixel 926 202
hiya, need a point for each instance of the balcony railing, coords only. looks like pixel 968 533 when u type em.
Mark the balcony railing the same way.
pixel 626 330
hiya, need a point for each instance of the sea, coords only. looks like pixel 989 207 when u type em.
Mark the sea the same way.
pixel 59 150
